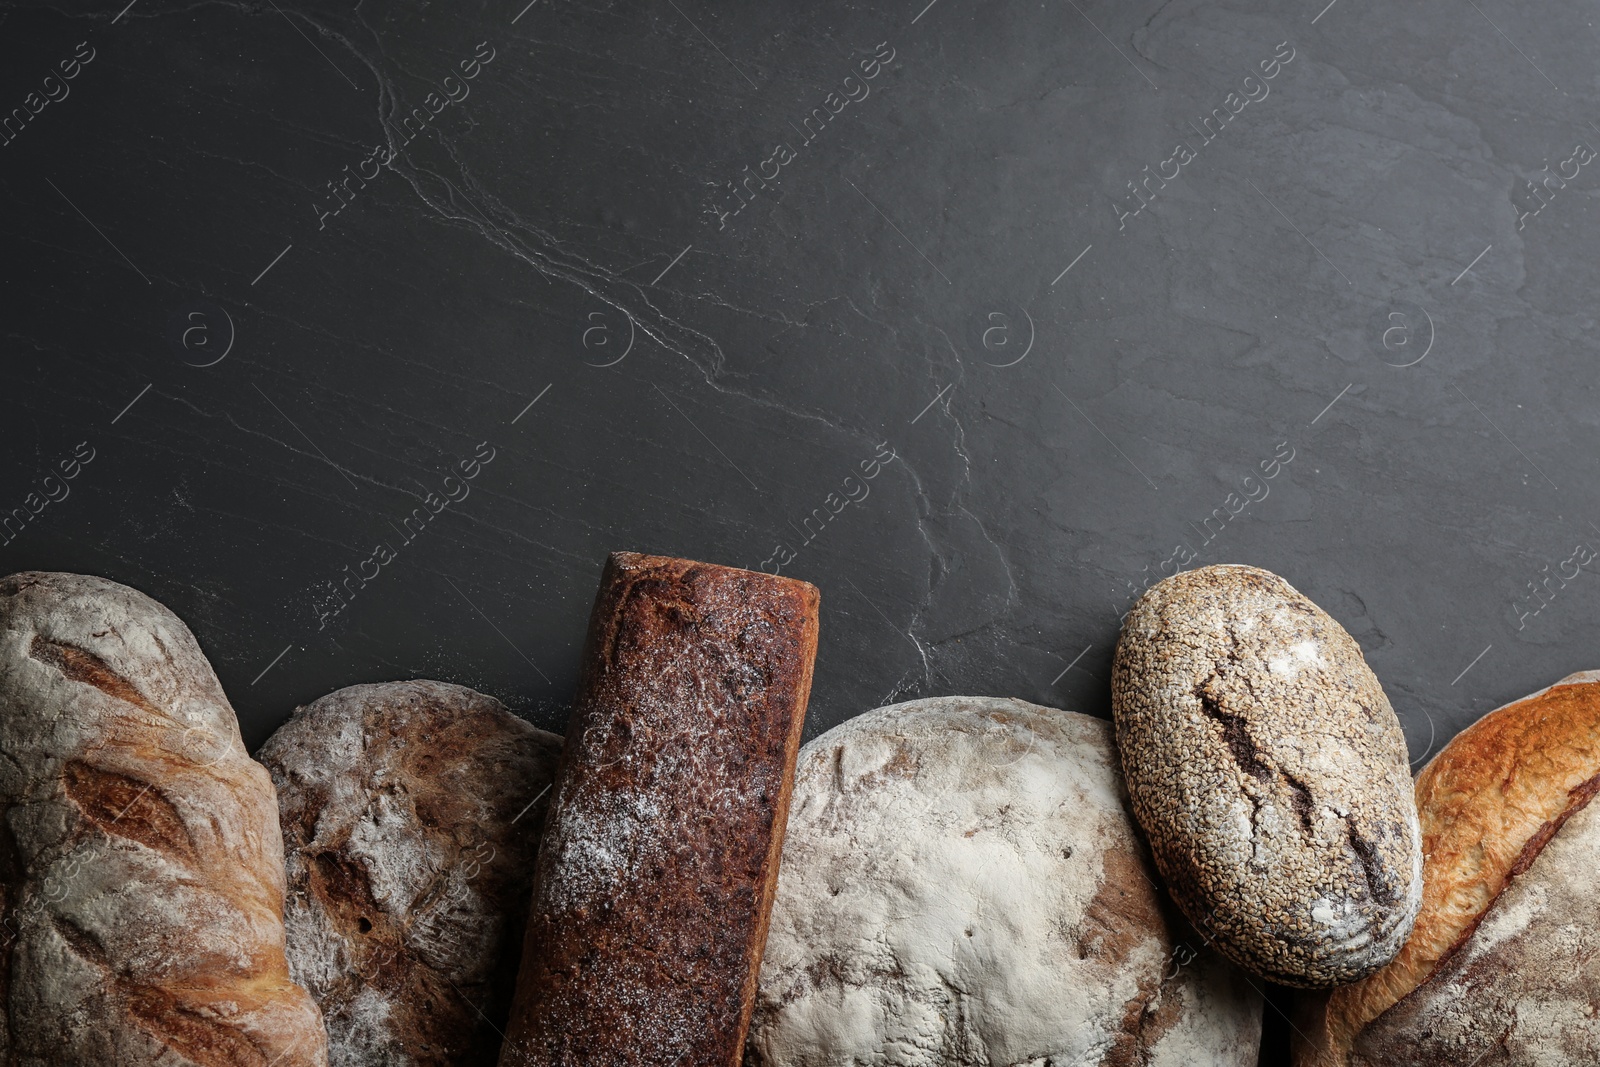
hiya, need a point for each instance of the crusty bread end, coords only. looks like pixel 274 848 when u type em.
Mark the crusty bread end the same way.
pixel 1488 803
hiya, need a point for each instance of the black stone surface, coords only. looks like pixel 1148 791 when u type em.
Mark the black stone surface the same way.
pixel 1350 271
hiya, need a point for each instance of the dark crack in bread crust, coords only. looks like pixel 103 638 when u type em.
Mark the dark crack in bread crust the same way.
pixel 411 816
pixel 1266 766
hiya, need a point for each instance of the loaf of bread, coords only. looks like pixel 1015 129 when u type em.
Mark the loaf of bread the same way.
pixel 1270 773
pixel 1500 970
pixel 963 884
pixel 654 882
pixel 141 866
pixel 411 817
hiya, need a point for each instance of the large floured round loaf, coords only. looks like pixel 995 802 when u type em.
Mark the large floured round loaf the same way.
pixel 141 867
pixel 1501 968
pixel 411 813
pixel 1270 774
pixel 961 884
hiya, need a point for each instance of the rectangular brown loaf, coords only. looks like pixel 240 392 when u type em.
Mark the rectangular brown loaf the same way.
pixel 655 878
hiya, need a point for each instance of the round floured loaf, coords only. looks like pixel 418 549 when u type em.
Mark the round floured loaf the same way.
pixel 961 884
pixel 141 867
pixel 411 812
pixel 1270 774
pixel 1501 968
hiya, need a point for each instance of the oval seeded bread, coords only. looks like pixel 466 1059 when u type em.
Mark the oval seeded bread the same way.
pixel 1500 968
pixel 962 884
pixel 411 812
pixel 1270 773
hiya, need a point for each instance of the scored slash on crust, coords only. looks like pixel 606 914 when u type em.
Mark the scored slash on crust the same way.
pixel 1213 676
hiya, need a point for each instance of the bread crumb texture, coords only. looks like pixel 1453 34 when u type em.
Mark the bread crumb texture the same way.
pixel 961 884
pixel 1500 968
pixel 141 865
pixel 1269 771
pixel 411 814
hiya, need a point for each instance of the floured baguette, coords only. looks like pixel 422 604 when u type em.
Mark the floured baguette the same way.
pixel 655 878
pixel 1499 969
pixel 141 866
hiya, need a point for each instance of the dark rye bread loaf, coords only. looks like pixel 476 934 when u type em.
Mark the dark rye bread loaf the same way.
pixel 411 815
pixel 655 879
pixel 1500 969
pixel 141 868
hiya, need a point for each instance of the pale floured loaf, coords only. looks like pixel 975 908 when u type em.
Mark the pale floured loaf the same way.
pixel 962 884
pixel 1500 969
pixel 141 867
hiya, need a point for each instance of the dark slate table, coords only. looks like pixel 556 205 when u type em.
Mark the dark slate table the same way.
pixel 365 331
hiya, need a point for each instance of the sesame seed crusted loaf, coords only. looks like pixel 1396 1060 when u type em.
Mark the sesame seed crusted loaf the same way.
pixel 654 882
pixel 141 867
pixel 1270 773
pixel 962 884
pixel 1500 968
pixel 411 814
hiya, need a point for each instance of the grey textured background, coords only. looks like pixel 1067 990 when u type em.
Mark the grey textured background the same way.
pixel 703 385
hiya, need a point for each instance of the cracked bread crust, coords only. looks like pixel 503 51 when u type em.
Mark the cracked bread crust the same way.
pixel 1498 965
pixel 1269 772
pixel 962 884
pixel 411 815
pixel 141 865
